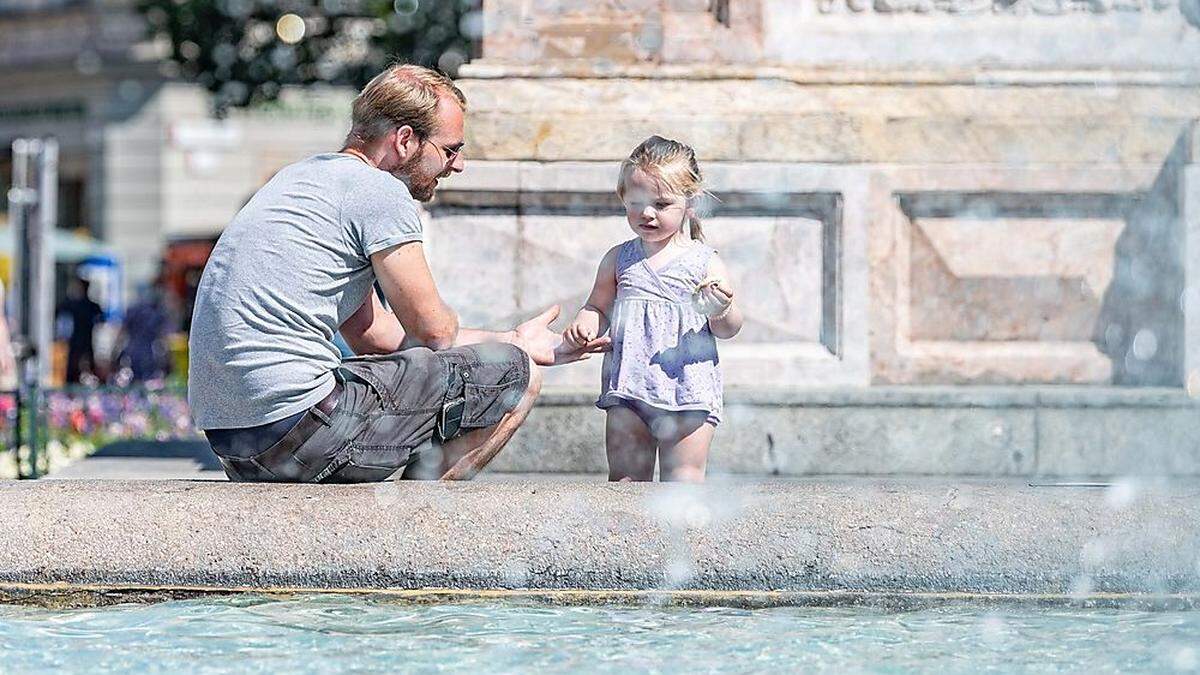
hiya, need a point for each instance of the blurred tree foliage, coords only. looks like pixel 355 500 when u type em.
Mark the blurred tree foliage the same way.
pixel 244 54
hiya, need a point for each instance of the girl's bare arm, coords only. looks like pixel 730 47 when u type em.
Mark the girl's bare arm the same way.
pixel 727 321
pixel 593 319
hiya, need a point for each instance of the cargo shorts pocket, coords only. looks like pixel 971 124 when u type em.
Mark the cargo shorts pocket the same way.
pixel 487 381
pixel 369 463
pixel 486 404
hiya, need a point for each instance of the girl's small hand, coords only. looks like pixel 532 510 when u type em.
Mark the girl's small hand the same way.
pixel 579 334
pixel 713 297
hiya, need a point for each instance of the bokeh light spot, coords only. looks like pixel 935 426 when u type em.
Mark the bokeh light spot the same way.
pixel 290 28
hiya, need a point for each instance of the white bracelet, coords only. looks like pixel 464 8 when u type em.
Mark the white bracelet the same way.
pixel 723 313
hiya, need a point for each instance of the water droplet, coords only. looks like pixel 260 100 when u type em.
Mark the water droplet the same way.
pixel 650 38
pixel 1186 658
pixel 450 61
pixel 387 493
pixel 679 572
pixel 999 432
pixel 1081 587
pixel 406 7
pixel 1145 344
pixel 1112 335
pixel 1121 493
pixel 1093 553
pixel 515 573
pixel 471 25
pixel 698 515
pixel 992 627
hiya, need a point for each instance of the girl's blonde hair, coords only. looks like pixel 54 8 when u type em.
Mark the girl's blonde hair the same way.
pixel 673 166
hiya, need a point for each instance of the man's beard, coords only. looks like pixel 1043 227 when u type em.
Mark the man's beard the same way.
pixel 421 187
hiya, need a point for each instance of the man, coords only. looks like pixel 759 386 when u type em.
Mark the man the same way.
pixel 84 314
pixel 298 264
pixel 142 342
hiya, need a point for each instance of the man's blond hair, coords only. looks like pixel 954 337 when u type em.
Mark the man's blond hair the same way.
pixel 404 94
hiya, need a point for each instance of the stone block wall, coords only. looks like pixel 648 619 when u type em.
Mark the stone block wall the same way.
pixel 885 234
pixel 933 34
pixel 964 232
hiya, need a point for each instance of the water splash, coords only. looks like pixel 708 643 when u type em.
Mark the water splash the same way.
pixel 1122 493
pixel 689 511
pixel 1186 659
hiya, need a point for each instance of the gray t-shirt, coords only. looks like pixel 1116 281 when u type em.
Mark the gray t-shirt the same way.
pixel 288 271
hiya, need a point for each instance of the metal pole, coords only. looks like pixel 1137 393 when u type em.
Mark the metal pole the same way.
pixel 34 214
pixel 20 202
pixel 44 305
pixel 17 200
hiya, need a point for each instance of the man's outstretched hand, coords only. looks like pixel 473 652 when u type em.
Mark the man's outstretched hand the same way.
pixel 547 347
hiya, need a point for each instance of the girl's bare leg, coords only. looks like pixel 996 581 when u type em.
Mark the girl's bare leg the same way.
pixel 629 445
pixel 683 455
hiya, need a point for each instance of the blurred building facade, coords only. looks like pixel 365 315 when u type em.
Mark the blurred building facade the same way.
pixel 145 167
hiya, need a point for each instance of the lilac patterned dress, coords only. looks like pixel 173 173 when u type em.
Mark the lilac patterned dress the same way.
pixel 663 353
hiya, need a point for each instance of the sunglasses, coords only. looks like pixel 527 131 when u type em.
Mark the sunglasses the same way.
pixel 449 153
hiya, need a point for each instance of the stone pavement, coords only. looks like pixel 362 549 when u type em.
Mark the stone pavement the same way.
pixel 1138 537
pixel 144 459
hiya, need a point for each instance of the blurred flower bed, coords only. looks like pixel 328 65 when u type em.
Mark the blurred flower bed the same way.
pixel 75 422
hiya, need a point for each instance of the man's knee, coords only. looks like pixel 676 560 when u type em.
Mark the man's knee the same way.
pixel 533 384
pixel 535 379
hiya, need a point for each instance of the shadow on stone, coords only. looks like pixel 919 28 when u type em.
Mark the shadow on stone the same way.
pixel 197 450
pixel 1141 322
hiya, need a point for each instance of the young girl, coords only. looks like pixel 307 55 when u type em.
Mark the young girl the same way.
pixel 663 296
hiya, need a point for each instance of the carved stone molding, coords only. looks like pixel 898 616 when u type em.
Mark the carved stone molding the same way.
pixel 977 7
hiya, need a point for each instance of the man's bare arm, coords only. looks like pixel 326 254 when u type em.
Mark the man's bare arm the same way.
pixel 420 317
pixel 373 329
pixel 409 287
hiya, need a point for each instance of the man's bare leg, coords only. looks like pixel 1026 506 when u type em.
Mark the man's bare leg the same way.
pixel 465 456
